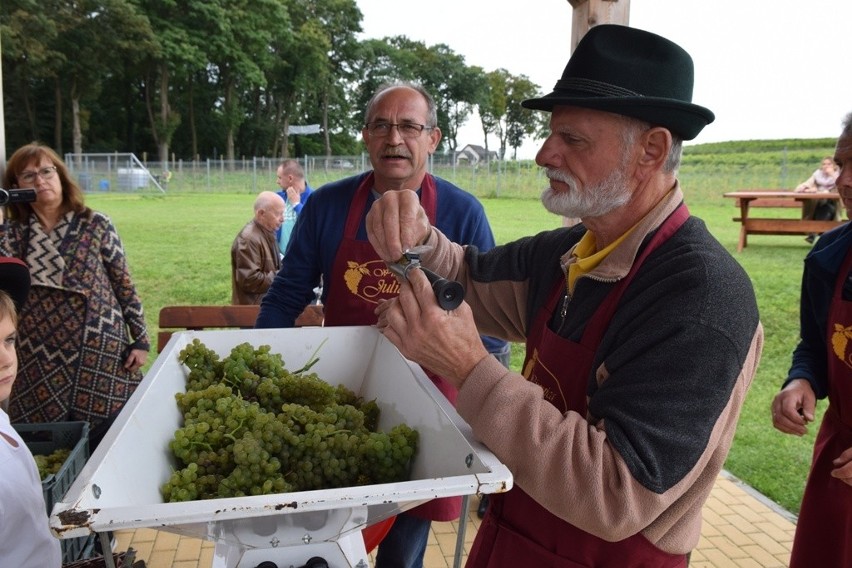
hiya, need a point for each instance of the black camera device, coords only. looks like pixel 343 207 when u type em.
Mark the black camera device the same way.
pixel 17 196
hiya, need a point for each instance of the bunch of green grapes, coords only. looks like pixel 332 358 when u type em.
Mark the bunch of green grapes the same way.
pixel 200 379
pixel 181 485
pixel 196 355
pixel 256 471
pixel 51 463
pixel 238 372
pixel 202 399
pixel 346 417
pixel 246 367
pixel 386 456
pixel 284 388
pixel 252 428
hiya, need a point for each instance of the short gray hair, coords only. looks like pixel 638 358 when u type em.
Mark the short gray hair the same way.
pixel 431 112
pixel 634 127
pixel 673 161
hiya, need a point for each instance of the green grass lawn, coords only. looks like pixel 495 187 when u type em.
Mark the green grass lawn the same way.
pixel 178 248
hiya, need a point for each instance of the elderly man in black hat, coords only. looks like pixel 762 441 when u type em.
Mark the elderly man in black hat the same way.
pixel 642 331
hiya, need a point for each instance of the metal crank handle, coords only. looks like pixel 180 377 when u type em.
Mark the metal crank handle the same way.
pixel 449 293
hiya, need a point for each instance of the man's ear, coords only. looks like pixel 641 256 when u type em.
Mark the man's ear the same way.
pixel 434 139
pixel 656 144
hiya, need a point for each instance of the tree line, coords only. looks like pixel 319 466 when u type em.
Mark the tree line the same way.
pixel 227 78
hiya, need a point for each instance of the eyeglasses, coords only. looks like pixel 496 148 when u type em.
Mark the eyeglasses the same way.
pixel 46 173
pixel 406 129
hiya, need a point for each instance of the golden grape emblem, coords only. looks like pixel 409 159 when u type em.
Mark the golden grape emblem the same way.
pixel 839 341
pixel 353 275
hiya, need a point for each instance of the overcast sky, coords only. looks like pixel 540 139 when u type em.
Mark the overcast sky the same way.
pixel 766 68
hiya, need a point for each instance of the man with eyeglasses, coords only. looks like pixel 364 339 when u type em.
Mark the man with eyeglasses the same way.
pixel 329 240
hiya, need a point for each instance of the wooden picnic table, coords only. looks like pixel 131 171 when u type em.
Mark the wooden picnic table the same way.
pixel 762 198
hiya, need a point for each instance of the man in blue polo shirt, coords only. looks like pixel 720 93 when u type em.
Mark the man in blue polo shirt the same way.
pixel 330 242
pixel 295 192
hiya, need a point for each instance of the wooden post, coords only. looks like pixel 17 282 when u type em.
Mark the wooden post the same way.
pixel 587 14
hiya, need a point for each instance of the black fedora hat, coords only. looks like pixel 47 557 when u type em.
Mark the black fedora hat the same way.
pixel 15 279
pixel 631 72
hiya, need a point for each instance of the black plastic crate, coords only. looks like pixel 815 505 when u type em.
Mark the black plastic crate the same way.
pixel 119 559
pixel 46 438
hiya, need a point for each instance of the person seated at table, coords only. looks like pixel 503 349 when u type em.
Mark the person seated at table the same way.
pixel 821 181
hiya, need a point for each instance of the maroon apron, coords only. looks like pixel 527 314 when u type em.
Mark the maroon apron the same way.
pixel 516 530
pixel 824 529
pixel 360 280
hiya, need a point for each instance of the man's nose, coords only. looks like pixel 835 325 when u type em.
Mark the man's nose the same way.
pixel 395 134
pixel 548 155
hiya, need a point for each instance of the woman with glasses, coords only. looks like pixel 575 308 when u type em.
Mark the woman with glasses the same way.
pixel 82 332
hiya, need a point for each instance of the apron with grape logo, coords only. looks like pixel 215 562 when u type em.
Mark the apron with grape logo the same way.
pixel 824 528
pixel 361 279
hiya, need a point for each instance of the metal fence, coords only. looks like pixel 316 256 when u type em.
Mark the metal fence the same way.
pixel 497 178
pixel 126 173
pixel 112 172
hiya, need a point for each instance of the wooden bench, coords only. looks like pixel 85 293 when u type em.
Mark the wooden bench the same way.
pixel 774 226
pixel 764 199
pixel 203 317
pixel 769 202
pixel 179 318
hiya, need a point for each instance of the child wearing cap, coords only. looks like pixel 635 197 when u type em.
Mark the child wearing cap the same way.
pixel 25 538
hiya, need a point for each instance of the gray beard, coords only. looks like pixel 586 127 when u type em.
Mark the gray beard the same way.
pixel 592 201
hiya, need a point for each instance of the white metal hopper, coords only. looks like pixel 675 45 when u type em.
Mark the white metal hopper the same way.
pixel 119 487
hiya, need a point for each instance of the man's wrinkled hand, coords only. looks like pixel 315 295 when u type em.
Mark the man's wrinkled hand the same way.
pixel 445 342
pixel 396 223
pixel 793 408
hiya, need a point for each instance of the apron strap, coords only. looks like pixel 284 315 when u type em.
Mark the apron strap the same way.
pixel 600 321
pixel 428 199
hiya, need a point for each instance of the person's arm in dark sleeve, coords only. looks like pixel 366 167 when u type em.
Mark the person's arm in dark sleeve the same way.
pixel 809 357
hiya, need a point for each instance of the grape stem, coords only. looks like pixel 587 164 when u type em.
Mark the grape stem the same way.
pixel 313 360
pixel 234 431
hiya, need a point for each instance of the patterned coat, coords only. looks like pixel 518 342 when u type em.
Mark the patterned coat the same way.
pixel 81 319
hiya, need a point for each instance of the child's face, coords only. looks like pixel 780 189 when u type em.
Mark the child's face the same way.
pixel 8 357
